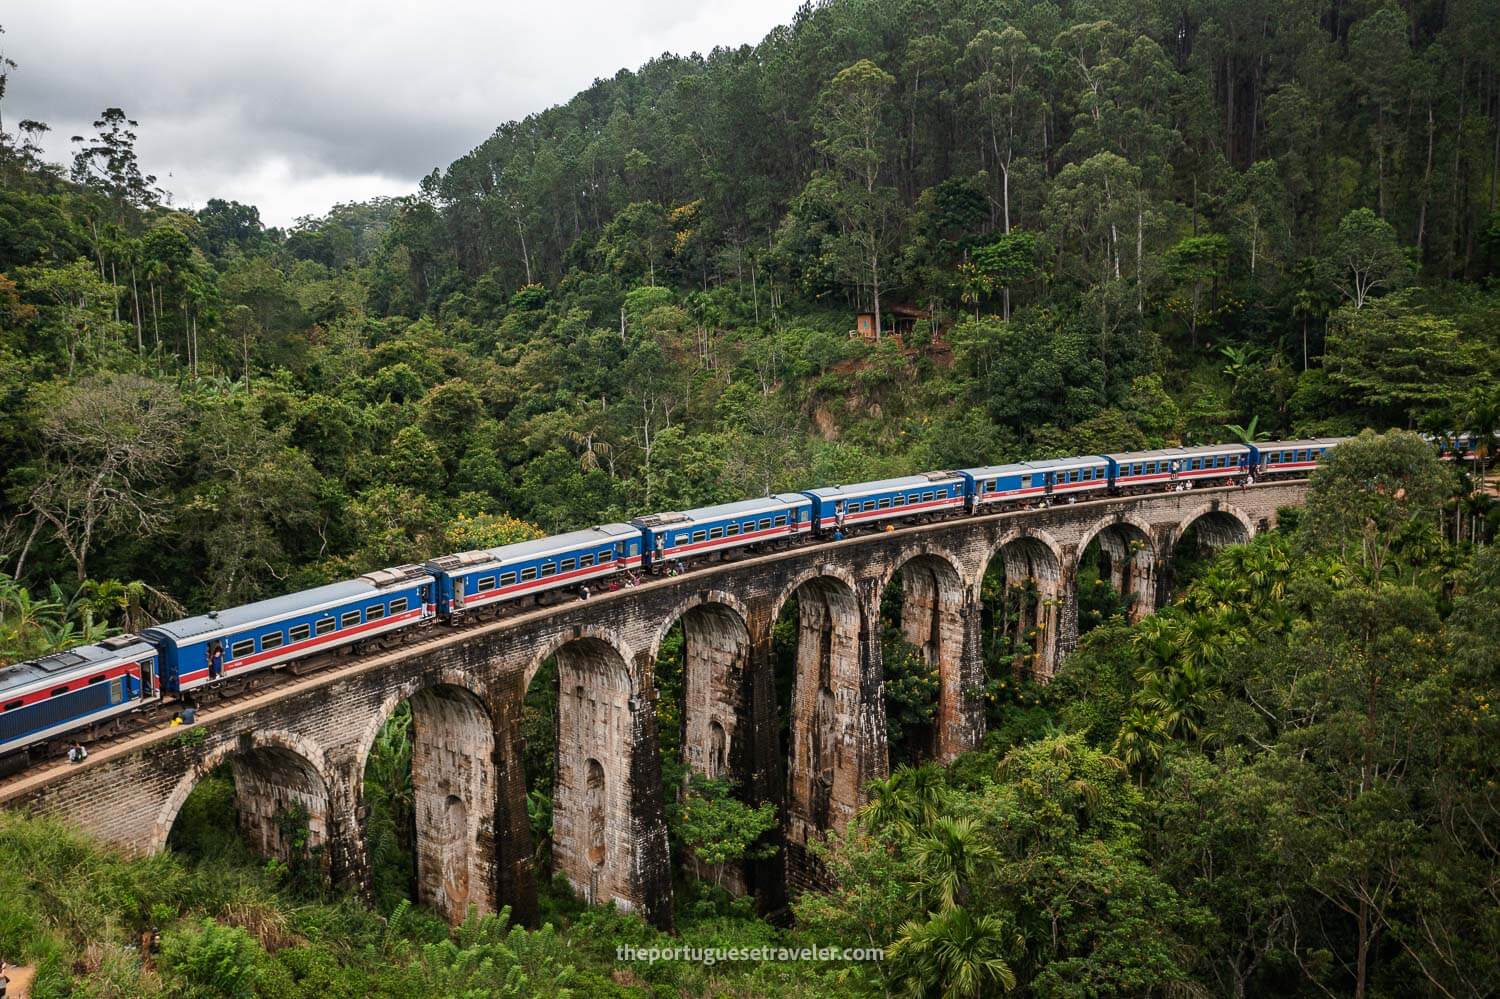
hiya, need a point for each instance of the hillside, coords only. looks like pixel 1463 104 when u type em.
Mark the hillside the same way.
pixel 1066 228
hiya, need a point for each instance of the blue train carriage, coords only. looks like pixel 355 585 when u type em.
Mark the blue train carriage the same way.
pixel 1453 447
pixel 1073 476
pixel 1166 467
pixel 50 697
pixel 488 578
pixel 271 632
pixel 845 507
pixel 996 485
pixel 691 534
pixel 1287 459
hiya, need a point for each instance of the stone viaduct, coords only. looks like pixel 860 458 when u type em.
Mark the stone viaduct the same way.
pixel 306 742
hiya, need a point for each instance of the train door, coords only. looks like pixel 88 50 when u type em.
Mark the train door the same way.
pixel 458 593
pixel 148 679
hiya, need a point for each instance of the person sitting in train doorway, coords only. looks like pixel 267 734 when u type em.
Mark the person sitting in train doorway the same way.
pixel 76 753
pixel 838 515
pixel 215 661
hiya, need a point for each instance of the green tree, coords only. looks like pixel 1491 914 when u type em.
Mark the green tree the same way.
pixel 1365 257
pixel 850 122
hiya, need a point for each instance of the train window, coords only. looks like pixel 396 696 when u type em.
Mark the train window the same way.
pixel 507 579
pixel 398 606
pixel 324 626
pixel 715 532
pixel 586 561
pixel 58 691
pixel 781 521
pixel 485 584
pixel 12 705
pixel 731 530
pixel 242 648
pixel 272 640
pixel 300 633
pixel 349 620
pixel 683 538
pixel 374 612
pixel 549 569
pixel 765 524
pixel 884 504
pixel 567 565
pixel 901 500
pixel 606 556
pixel 97 679
pixel 700 536
pixel 529 573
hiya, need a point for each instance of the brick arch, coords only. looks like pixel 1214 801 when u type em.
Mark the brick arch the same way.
pixel 1115 520
pixel 606 822
pixel 923 551
pixel 829 574
pixel 1210 508
pixel 454 784
pixel 448 677
pixel 1021 535
pixel 702 598
pixel 287 742
pixel 579 633
pixel 934 615
pixel 1032 555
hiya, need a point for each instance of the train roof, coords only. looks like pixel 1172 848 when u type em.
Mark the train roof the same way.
pixel 1125 457
pixel 905 482
pixel 60 666
pixel 540 548
pixel 1305 442
pixel 1053 464
pixel 776 503
pixel 1016 468
pixel 217 623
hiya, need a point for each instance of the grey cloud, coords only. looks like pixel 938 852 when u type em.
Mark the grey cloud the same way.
pixel 280 101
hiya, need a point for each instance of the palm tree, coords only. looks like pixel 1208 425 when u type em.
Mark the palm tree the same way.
pixel 1250 433
pixel 952 855
pixel 907 802
pixel 953 955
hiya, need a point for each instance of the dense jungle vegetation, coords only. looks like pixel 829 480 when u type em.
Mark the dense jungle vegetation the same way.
pixel 1078 227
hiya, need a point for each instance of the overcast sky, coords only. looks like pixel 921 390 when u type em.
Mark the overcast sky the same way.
pixel 294 105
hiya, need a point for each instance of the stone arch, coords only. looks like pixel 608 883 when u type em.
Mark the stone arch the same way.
pixel 1129 559
pixel 453 678
pixel 701 598
pixel 455 743
pixel 1229 524
pixel 1034 561
pixel 801 579
pixel 837 716
pixel 454 790
pixel 934 619
pixel 609 838
pixel 274 770
pixel 576 633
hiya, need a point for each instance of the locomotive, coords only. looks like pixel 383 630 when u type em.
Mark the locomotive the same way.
pixel 83 692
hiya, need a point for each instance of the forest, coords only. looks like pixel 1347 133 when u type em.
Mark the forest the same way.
pixel 1073 228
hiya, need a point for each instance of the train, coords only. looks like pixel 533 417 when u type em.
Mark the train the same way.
pixel 82 693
